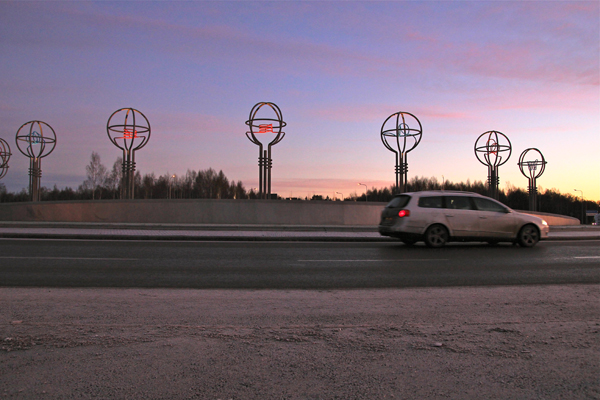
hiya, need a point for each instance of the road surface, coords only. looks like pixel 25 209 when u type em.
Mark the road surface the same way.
pixel 122 330
pixel 290 265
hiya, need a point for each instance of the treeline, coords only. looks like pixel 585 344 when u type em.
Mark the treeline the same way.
pixel 207 184
pixel 102 184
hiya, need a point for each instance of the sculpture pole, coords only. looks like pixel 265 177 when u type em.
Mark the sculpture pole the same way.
pixel 489 149
pixel 4 157
pixel 35 139
pixel 130 135
pixel 263 125
pixel 400 138
pixel 532 174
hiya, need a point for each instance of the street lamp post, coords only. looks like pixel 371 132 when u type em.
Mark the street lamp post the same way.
pixel 171 186
pixel 582 210
pixel 341 194
pixel 366 195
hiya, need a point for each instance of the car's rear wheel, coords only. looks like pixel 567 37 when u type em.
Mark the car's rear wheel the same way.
pixel 436 236
pixel 528 236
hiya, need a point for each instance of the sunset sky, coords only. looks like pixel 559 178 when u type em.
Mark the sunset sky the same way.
pixel 336 69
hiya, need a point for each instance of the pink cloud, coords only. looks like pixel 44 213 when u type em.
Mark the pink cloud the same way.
pixel 379 112
pixel 191 122
pixel 4 106
pixel 556 98
pixel 213 42
pixel 528 61
pixel 219 41
pixel 534 60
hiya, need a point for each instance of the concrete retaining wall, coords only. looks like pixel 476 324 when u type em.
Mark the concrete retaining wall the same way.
pixel 553 219
pixel 206 211
pixel 197 211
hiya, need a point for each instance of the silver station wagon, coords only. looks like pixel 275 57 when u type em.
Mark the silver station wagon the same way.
pixel 437 217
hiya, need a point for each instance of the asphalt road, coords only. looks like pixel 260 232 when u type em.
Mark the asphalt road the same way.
pixel 290 265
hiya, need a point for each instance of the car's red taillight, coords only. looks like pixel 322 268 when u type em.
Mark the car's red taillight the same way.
pixel 404 213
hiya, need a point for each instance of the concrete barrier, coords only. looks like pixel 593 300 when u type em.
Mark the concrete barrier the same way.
pixel 209 211
pixel 553 219
pixel 198 211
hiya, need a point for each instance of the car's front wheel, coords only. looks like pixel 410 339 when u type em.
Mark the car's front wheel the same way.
pixel 528 236
pixel 436 236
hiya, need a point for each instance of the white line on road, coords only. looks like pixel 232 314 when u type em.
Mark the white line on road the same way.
pixel 69 258
pixel 400 260
pixel 588 257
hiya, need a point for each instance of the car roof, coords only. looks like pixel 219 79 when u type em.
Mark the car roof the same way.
pixel 440 192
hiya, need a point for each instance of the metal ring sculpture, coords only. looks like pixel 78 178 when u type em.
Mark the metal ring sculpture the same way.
pixel 400 138
pixel 261 125
pixel 129 130
pixel 35 139
pixel 4 157
pixel 532 173
pixel 489 151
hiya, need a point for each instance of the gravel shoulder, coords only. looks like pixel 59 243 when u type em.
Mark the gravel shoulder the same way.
pixel 514 342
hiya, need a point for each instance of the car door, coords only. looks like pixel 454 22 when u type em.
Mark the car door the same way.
pixel 461 216
pixel 429 210
pixel 495 220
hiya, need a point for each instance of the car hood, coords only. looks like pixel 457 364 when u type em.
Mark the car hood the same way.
pixel 529 218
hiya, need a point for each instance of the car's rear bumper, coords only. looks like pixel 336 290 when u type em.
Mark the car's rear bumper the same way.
pixel 393 232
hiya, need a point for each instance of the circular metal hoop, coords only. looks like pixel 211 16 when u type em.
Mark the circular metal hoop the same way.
pixel 489 148
pixel 36 139
pixel 532 166
pixel 405 134
pixel 133 133
pixel 4 153
pixel 265 125
pixel 4 157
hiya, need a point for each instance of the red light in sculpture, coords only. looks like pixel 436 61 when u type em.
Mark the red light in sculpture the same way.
pixel 127 134
pixel 265 128
pixel 492 146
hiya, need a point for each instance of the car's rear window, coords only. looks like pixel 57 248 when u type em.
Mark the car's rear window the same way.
pixel 431 202
pixel 399 201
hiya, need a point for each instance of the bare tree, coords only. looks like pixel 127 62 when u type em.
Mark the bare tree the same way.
pixel 96 174
pixel 113 180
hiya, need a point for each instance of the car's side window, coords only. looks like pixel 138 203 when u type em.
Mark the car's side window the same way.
pixel 431 202
pixel 458 203
pixel 488 205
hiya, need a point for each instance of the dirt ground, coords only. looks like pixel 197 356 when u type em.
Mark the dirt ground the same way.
pixel 526 342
